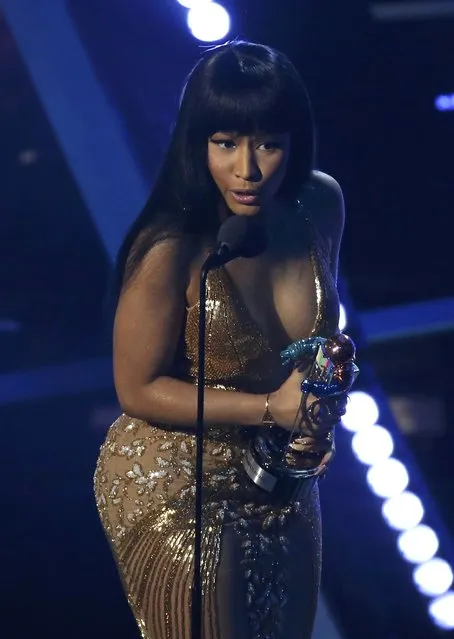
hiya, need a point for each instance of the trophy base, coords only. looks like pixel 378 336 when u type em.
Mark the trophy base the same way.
pixel 274 476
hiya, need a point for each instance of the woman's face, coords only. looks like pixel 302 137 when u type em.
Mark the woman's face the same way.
pixel 248 169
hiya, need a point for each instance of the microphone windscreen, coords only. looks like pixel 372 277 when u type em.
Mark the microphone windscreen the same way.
pixel 242 236
pixel 233 232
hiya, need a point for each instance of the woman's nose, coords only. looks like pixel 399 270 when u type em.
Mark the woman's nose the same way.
pixel 247 167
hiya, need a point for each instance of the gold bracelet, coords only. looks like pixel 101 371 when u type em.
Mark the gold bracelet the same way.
pixel 268 419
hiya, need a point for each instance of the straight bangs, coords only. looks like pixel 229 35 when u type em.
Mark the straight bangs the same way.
pixel 246 110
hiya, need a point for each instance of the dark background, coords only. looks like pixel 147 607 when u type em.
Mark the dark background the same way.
pixel 373 86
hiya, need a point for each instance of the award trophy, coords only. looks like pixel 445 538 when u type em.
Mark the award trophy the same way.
pixel 276 460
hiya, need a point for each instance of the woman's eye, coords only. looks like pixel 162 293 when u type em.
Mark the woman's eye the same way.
pixel 270 146
pixel 224 144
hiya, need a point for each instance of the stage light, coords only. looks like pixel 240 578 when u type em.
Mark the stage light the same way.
pixel 419 544
pixel 208 21
pixel 388 478
pixel 189 4
pixel 403 511
pixel 372 444
pixel 27 157
pixel 445 102
pixel 362 411
pixel 8 325
pixel 434 577
pixel 441 610
pixel 342 317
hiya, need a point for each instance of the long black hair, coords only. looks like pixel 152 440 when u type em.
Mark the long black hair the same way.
pixel 239 86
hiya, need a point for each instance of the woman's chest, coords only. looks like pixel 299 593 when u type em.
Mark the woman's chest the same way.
pixel 252 315
pixel 286 303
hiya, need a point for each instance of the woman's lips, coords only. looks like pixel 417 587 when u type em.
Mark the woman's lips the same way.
pixel 245 197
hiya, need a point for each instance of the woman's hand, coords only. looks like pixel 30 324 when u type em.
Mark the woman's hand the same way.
pixel 285 403
pixel 320 415
pixel 322 445
pixel 317 428
pixel 314 418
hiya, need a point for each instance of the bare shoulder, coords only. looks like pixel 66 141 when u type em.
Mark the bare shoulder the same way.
pixel 323 198
pixel 325 183
pixel 167 260
pixel 324 201
pixel 326 195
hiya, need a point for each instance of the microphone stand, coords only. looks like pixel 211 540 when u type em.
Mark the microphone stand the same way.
pixel 196 608
pixel 235 238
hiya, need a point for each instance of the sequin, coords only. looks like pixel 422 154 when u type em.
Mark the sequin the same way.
pixel 144 485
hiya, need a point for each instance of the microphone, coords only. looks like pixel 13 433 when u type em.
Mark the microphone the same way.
pixel 238 237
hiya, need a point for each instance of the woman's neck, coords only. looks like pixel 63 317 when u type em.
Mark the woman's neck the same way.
pixel 270 214
pixel 281 225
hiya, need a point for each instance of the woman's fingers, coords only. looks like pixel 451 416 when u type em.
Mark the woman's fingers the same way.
pixel 317 445
pixel 326 461
pixel 309 445
pixel 324 413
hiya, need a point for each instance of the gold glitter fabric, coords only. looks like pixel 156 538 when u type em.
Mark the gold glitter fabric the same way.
pixel 260 557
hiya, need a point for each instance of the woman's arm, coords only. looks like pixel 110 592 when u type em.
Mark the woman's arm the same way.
pixel 148 323
pixel 324 197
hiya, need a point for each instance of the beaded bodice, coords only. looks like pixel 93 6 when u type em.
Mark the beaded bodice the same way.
pixel 238 354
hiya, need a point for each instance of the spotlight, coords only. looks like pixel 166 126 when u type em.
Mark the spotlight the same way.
pixel 441 610
pixel 445 102
pixel 208 21
pixel 362 411
pixel 419 544
pixel 372 444
pixel 388 478
pixel 403 511
pixel 28 157
pixel 434 577
pixel 189 4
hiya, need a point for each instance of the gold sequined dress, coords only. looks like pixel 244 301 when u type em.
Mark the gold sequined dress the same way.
pixel 261 558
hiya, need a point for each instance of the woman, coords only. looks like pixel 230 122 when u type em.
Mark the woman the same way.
pixel 242 145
